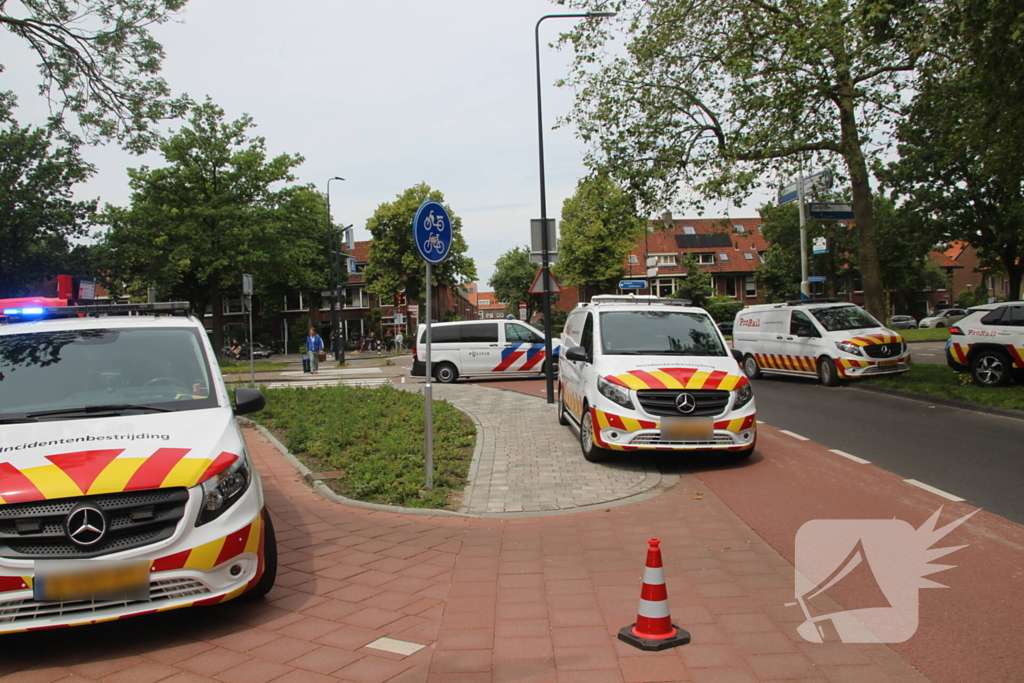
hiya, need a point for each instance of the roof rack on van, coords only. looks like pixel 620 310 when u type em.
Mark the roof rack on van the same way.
pixel 814 301
pixel 634 299
pixel 26 313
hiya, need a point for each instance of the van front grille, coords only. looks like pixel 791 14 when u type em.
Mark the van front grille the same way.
pixel 663 401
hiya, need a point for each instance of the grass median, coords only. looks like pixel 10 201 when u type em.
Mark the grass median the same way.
pixel 941 381
pixel 927 334
pixel 374 438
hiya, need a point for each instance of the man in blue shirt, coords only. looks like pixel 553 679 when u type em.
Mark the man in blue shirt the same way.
pixel 314 345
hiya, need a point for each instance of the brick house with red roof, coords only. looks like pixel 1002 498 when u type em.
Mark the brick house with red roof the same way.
pixel 972 274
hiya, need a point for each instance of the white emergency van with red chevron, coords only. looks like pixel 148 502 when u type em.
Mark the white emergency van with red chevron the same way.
pixel 125 483
pixel 829 340
pixel 643 373
pixel 496 348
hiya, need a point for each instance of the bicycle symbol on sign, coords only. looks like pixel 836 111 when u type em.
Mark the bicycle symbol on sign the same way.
pixel 432 243
pixel 433 222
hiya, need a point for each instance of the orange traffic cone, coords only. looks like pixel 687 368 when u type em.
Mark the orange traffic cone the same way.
pixel 654 629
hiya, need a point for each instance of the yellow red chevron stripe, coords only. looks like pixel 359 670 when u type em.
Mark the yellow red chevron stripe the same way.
pixel 102 471
pixel 843 365
pixel 872 339
pixel 678 378
pixel 738 424
pixel 959 352
pixel 791 363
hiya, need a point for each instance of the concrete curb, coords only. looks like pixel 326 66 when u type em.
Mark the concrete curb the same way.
pixel 948 402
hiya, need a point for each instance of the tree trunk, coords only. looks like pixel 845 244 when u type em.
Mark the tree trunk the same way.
pixel 863 210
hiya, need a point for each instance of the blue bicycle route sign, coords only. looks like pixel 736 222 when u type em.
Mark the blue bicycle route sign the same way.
pixel 432 231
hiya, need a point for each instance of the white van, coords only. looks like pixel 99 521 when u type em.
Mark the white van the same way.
pixel 642 373
pixel 831 340
pixel 476 347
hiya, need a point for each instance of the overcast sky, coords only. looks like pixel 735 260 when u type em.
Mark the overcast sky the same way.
pixel 384 93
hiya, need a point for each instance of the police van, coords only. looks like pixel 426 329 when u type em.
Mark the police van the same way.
pixel 644 373
pixel 494 348
pixel 830 340
pixel 125 484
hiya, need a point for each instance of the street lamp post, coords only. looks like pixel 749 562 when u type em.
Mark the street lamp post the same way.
pixel 335 276
pixel 545 247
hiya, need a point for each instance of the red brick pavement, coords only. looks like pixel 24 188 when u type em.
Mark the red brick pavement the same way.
pixel 493 600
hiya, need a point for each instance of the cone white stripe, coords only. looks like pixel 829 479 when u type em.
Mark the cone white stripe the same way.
pixel 653 610
pixel 654 576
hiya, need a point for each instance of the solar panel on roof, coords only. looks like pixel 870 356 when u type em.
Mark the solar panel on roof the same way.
pixel 703 241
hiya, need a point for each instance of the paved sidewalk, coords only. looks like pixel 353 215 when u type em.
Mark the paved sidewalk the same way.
pixel 527 462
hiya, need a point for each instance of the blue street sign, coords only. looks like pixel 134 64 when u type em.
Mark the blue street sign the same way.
pixel 815 278
pixel 432 231
pixel 632 284
pixel 839 212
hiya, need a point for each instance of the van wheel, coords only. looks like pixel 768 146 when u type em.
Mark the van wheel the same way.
pixel 445 373
pixel 827 373
pixel 990 368
pixel 590 451
pixel 266 581
pixel 562 419
pixel 750 367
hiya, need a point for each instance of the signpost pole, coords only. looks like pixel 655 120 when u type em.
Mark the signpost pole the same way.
pixel 428 397
pixel 805 286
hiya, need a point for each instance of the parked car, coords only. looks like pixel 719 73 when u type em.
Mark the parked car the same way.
pixel 130 490
pixel 725 327
pixel 989 343
pixel 261 350
pixel 903 322
pixel 943 318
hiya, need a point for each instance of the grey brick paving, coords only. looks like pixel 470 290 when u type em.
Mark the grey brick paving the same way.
pixel 527 462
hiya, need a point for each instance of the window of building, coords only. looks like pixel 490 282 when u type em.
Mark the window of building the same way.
pixel 747 255
pixel 356 297
pixel 293 302
pixel 739 228
pixel 484 302
pixel 663 287
pixel 730 286
pixel 232 304
pixel 688 230
pixel 633 260
pixel 723 256
pixel 666 259
pixel 751 287
pixel 705 259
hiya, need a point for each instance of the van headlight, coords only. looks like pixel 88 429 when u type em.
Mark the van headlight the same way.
pixel 743 396
pixel 223 490
pixel 614 393
pixel 852 349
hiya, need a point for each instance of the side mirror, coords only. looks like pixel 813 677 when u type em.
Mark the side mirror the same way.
pixel 577 353
pixel 249 401
pixel 738 355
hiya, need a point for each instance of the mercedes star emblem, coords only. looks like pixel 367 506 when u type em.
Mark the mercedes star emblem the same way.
pixel 86 525
pixel 685 403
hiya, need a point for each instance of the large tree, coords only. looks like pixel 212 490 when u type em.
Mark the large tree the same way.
pixel 962 144
pixel 600 226
pixel 98 62
pixel 394 262
pixel 719 95
pixel 217 210
pixel 38 218
pixel 513 275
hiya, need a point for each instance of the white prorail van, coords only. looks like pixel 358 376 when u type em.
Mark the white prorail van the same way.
pixel 642 373
pixel 832 341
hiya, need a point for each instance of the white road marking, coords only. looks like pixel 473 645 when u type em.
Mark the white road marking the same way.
pixel 398 647
pixel 937 492
pixel 794 435
pixel 761 422
pixel 854 458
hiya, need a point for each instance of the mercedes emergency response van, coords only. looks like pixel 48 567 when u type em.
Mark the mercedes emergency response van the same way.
pixel 494 348
pixel 829 340
pixel 125 484
pixel 643 373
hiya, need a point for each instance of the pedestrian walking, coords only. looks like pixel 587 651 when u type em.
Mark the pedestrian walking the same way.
pixel 315 347
pixel 399 342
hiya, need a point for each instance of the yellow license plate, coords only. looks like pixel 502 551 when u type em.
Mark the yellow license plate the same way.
pixel 62 581
pixel 887 363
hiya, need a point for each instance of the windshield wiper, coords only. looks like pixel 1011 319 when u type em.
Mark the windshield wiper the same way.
pixel 92 410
